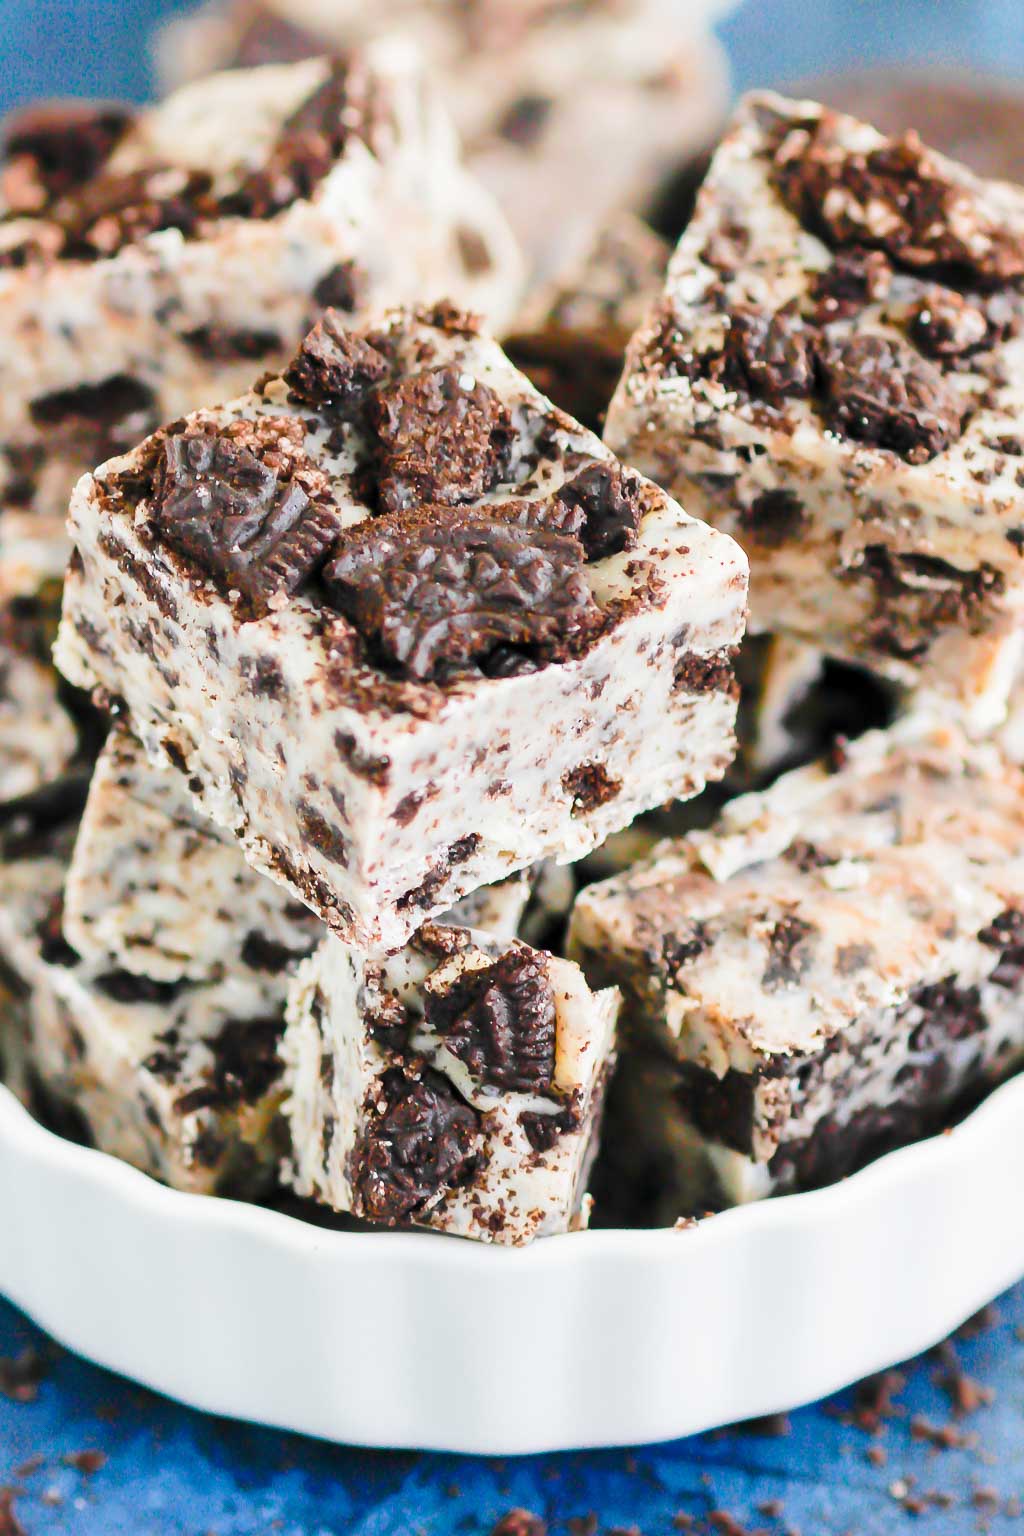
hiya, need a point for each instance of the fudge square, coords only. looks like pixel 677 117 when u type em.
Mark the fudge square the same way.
pixel 152 262
pixel 827 971
pixel 457 1084
pixel 154 890
pixel 401 625
pixel 182 1080
pixel 835 374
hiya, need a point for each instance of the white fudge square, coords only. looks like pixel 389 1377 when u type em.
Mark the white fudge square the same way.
pixel 835 375
pixel 455 1085
pixel 401 626
pixel 182 1080
pixel 152 262
pixel 636 89
pixel 829 970
pixel 153 890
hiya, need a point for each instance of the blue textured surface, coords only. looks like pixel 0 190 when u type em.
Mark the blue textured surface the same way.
pixel 169 1472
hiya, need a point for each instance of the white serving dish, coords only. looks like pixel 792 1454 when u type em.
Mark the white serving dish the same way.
pixel 415 1340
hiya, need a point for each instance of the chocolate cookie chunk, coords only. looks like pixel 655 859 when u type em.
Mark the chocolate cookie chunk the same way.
pixel 442 437
pixel 501 1021
pixel 423 1141
pixel 335 368
pixel 879 391
pixel 237 518
pixel 437 596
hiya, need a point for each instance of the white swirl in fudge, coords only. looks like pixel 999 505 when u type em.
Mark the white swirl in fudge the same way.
pixel 836 373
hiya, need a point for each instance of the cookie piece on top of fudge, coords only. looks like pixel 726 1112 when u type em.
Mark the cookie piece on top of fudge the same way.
pixel 835 374
pixel 636 88
pixel 456 1085
pixel 181 1078
pixel 401 625
pixel 828 971
pixel 152 262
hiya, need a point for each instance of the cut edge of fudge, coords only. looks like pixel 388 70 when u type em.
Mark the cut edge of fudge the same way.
pixel 266 558
pixel 456 1085
pixel 831 969
pixel 840 334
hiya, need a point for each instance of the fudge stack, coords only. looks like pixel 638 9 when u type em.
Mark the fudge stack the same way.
pixel 398 656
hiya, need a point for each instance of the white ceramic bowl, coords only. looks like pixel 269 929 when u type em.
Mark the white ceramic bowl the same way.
pixel 414 1340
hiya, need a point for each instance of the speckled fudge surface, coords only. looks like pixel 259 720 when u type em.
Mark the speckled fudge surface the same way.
pixel 455 1085
pixel 528 81
pixel 183 1080
pixel 571 338
pixel 833 964
pixel 151 262
pixel 402 626
pixel 153 891
pixel 835 373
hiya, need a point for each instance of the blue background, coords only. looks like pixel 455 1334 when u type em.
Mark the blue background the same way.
pixel 169 1472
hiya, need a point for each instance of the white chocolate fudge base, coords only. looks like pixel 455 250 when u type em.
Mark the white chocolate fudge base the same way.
pixel 152 1080
pixel 837 948
pixel 477 780
pixel 338 1087
pixel 136 314
pixel 942 523
pixel 37 737
pixel 153 892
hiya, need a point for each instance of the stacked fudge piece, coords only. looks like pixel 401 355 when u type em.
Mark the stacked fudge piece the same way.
pixel 388 633
pixel 823 975
pixel 636 86
pixel 148 260
pixel 834 374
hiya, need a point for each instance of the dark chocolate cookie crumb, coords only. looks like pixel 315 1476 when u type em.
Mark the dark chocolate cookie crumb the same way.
pixel 896 198
pixel 500 1021
pixel 335 369
pixel 50 149
pixel 443 437
pixel 590 785
pixel 422 1141
pixel 344 287
pixel 248 522
pixel 436 596
pixel 246 1065
pixel 879 391
pixel 610 501
pixel 788 948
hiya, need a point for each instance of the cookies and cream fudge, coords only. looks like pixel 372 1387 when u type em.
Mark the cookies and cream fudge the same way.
pixel 633 87
pixel 155 890
pixel 830 969
pixel 571 338
pixel 181 1079
pixel 835 375
pixel 455 1085
pixel 401 626
pixel 153 262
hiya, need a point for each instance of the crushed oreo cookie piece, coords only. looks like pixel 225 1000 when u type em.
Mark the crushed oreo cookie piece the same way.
pixel 53 147
pixel 237 519
pixel 898 199
pixel 500 1021
pixel 590 785
pixel 437 596
pixel 857 277
pixel 105 404
pixel 443 437
pixel 610 499
pixel 422 1142
pixel 246 1065
pixel 878 391
pixel 335 369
